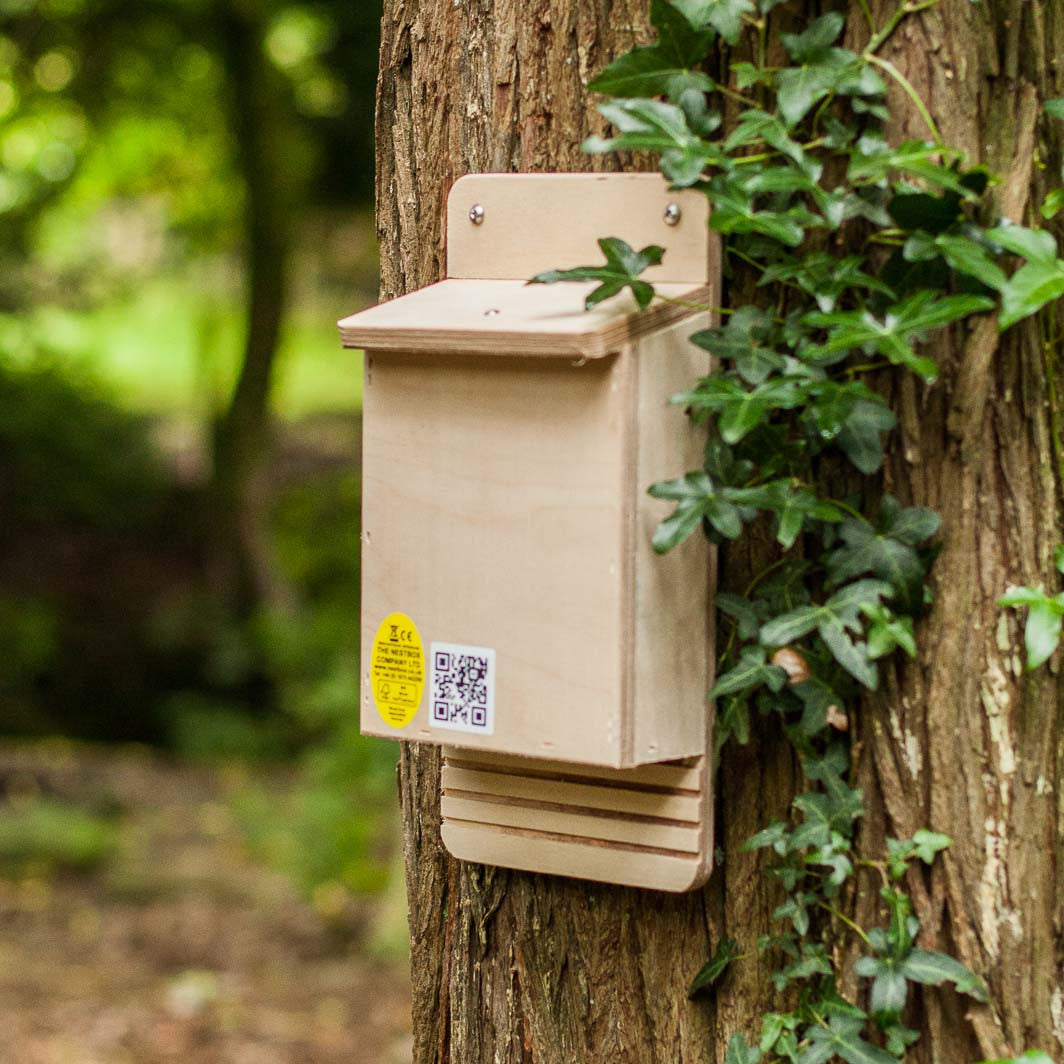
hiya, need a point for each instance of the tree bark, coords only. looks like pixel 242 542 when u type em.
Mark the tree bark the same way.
pixel 521 968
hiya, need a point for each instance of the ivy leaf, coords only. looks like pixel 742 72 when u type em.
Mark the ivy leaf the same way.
pixel 650 125
pixel 815 41
pixel 738 1052
pixel 726 16
pixel 875 161
pixel 889 989
pixel 751 672
pixel 842 1038
pixel 861 436
pixel 622 269
pixel 1035 245
pixel 832 622
pixel 740 410
pixel 1042 632
pixel 696 497
pixel 851 654
pixel 968 257
pixel 726 951
pixel 1055 108
pixel 933 969
pixel 817 699
pixel 665 67
pixel 836 70
pixel 734 211
pixel 774 835
pixel 825 277
pixel 1029 289
pixel 889 631
pixel 791 503
pixel 888 551
pixel 647 71
pixel 905 323
pixel 742 611
pixel 928 843
pixel 742 341
pixel 1053 204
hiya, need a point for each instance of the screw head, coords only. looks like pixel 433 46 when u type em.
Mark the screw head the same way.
pixel 673 214
pixel 476 214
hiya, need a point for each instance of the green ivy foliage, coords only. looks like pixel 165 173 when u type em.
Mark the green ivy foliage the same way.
pixel 805 169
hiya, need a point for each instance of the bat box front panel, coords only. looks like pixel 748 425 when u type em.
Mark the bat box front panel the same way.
pixel 495 520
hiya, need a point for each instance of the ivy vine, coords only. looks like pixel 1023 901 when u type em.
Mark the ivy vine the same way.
pixel 804 169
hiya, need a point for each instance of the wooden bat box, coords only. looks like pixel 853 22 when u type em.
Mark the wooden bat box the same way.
pixel 512 606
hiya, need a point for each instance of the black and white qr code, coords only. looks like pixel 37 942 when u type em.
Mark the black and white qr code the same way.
pixel 462 688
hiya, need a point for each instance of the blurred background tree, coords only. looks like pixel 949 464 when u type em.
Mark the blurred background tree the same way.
pixel 185 210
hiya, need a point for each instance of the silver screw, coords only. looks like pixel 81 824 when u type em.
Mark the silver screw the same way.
pixel 476 214
pixel 673 214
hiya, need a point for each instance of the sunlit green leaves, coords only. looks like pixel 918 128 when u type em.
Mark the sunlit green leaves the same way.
pixel 666 68
pixel 1038 281
pixel 924 845
pixel 788 389
pixel 726 16
pixel 904 324
pixel 621 270
pixel 654 126
pixel 1045 613
pixel 933 969
pixel 814 42
pixel 842 1038
pixel 874 161
pixel 740 409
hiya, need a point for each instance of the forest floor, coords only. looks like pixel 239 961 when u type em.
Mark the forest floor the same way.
pixel 177 946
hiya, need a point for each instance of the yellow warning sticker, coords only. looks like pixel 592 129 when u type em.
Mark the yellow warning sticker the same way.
pixel 397 670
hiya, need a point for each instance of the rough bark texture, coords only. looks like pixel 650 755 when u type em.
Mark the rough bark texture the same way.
pixel 510 967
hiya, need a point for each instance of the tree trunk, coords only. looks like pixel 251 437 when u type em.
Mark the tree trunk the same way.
pixel 514 967
pixel 244 575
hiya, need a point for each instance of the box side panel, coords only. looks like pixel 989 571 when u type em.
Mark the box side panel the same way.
pixel 492 510
pixel 672 624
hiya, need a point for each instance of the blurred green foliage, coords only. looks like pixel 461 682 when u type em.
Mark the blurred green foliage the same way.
pixel 71 456
pixel 122 318
pixel 42 832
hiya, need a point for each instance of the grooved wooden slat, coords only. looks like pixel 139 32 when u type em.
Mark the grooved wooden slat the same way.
pixel 614 799
pixel 674 776
pixel 583 825
pixel 602 863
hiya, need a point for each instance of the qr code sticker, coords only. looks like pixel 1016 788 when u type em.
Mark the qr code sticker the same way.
pixel 462 688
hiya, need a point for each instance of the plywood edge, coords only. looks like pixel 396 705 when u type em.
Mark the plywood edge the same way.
pixel 593 340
